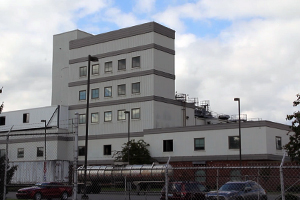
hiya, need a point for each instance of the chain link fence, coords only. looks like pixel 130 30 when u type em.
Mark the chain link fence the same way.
pixel 38 159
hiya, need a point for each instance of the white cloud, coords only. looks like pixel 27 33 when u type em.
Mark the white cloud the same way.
pixel 145 6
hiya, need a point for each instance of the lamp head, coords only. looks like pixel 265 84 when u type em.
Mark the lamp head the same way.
pixel 236 99
pixel 43 120
pixel 93 58
pixel 126 112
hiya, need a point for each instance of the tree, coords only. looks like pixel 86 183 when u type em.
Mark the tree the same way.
pixel 138 153
pixel 9 175
pixel 293 147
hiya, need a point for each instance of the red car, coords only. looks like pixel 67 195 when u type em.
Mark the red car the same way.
pixel 47 190
pixel 184 191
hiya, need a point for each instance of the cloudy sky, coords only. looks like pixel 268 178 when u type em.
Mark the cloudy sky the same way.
pixel 224 48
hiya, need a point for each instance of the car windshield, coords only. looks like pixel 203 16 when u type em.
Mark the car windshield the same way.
pixel 41 185
pixel 233 186
pixel 194 187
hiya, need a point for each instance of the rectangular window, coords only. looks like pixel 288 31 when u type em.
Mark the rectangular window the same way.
pixel 20 152
pixel 82 71
pixel 168 145
pixel 95 93
pixel 107 116
pixel 82 119
pixel 135 88
pixel 2 121
pixel 107 149
pixel 122 64
pixel 135 113
pixel 136 62
pixel 278 143
pixel 40 151
pixel 108 67
pixel 94 117
pixel 81 151
pixel 107 91
pixel 121 115
pixel 26 118
pixel 2 152
pixel 95 69
pixel 199 144
pixel 82 95
pixel 234 142
pixel 121 89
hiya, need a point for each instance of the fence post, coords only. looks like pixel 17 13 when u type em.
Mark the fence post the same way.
pixel 217 184
pixel 281 178
pixel 167 179
pixel 6 164
pixel 75 165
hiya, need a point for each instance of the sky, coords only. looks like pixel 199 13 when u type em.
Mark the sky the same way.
pixel 225 49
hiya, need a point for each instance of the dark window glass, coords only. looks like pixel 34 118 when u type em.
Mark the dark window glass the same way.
pixel 107 116
pixel 40 152
pixel 82 119
pixel 136 62
pixel 94 117
pixel 107 91
pixel 135 88
pixel 167 145
pixel 234 142
pixel 278 143
pixel 121 115
pixel 2 121
pixel 107 150
pixel 82 71
pixel 20 152
pixel 135 113
pixel 122 89
pixel 81 151
pixel 95 93
pixel 122 64
pixel 108 67
pixel 82 95
pixel 199 143
pixel 95 69
pixel 26 118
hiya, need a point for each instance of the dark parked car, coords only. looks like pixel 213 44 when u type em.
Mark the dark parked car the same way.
pixel 45 191
pixel 184 191
pixel 242 190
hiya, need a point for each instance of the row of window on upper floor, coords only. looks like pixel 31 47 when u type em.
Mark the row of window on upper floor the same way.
pixel 108 67
pixel 25 119
pixel 108 91
pixel 108 116
pixel 199 144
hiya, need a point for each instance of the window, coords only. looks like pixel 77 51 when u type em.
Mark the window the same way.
pixel 20 152
pixel 135 113
pixel 94 117
pixel 199 144
pixel 108 67
pixel 81 151
pixel 278 143
pixel 95 69
pixel 107 149
pixel 26 118
pixel 82 95
pixel 122 89
pixel 40 151
pixel 82 71
pixel 122 64
pixel 95 93
pixel 107 116
pixel 136 62
pixel 121 115
pixel 167 145
pixel 2 121
pixel 82 119
pixel 107 91
pixel 135 88
pixel 2 152
pixel 234 142
pixel 200 176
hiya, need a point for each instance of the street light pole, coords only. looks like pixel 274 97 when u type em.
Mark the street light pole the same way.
pixel 128 112
pixel 45 164
pixel 240 139
pixel 90 59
